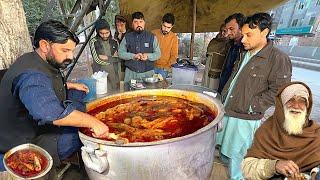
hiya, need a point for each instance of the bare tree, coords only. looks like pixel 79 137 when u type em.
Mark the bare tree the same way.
pixel 15 39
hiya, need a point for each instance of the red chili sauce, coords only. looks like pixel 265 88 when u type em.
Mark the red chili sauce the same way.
pixel 152 118
pixel 27 163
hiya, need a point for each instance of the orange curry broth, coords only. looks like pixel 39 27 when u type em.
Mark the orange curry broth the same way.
pixel 184 125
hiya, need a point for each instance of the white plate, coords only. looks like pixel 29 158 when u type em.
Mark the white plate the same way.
pixel 134 86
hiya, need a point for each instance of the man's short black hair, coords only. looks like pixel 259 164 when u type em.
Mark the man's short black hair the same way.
pixel 102 24
pixel 137 15
pixel 55 32
pixel 260 20
pixel 240 18
pixel 168 18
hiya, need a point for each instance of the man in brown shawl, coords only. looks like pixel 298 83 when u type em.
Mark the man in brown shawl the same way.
pixel 288 143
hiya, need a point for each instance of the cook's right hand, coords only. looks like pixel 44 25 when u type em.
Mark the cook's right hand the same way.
pixel 100 130
pixel 287 168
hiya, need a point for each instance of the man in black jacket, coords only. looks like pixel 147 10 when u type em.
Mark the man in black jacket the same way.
pixel 38 106
pixel 235 48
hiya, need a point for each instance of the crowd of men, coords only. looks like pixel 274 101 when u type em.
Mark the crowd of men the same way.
pixel 44 109
pixel 142 53
pixel 251 74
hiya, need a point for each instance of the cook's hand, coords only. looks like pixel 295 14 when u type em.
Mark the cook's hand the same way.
pixel 100 130
pixel 78 86
pixel 287 168
pixel 144 57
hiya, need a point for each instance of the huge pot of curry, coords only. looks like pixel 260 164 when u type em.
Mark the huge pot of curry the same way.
pixel 155 134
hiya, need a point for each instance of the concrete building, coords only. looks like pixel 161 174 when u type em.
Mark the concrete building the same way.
pixel 297 23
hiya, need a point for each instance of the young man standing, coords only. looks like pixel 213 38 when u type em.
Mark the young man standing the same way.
pixel 235 49
pixel 168 42
pixel 121 27
pixel 104 50
pixel 216 56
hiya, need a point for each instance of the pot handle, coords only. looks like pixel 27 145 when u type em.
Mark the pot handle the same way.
pixel 211 94
pixel 220 126
pixel 95 159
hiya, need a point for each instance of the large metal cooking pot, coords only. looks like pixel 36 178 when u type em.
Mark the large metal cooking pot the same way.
pixel 188 157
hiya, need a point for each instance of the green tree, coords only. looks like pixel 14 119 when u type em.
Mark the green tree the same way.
pixel 35 10
pixel 112 11
pixel 197 48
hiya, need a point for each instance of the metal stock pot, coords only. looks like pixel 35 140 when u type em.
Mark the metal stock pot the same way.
pixel 187 157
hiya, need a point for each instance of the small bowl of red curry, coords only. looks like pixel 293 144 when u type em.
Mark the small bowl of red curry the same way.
pixel 27 161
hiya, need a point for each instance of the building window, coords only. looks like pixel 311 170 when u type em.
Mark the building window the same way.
pixel 272 15
pixel 301 5
pixel 294 23
pixel 312 20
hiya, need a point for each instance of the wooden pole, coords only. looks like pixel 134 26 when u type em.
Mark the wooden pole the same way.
pixel 194 13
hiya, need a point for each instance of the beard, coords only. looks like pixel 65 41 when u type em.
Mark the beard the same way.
pixel 139 29
pixel 294 120
pixel 57 65
pixel 104 38
pixel 164 32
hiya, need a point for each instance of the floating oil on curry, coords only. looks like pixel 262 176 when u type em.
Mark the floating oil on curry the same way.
pixel 152 118
pixel 27 163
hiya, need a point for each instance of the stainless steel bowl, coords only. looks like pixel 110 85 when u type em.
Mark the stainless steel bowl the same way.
pixel 151 80
pixel 42 174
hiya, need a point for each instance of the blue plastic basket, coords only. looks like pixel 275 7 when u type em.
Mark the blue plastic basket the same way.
pixel 91 83
pixel 1 163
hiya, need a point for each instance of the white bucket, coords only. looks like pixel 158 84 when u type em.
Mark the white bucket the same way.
pixel 102 85
pixel 102 82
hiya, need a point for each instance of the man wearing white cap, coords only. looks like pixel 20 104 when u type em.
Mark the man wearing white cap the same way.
pixel 287 144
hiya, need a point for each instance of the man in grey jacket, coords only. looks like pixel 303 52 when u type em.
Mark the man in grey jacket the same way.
pixel 250 90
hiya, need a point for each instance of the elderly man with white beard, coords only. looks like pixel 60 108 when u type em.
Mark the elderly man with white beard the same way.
pixel 288 143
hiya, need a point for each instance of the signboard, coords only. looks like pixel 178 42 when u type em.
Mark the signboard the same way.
pixel 294 30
